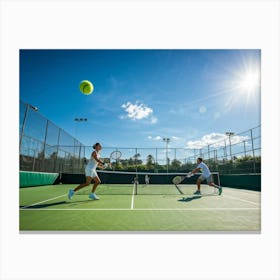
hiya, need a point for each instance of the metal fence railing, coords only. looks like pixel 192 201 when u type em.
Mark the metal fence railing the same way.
pixel 45 147
pixel 40 140
pixel 235 154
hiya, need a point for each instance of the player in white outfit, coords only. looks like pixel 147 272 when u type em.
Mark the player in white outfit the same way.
pixel 147 179
pixel 206 175
pixel 90 173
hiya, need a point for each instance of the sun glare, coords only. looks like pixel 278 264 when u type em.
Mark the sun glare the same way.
pixel 241 85
pixel 249 82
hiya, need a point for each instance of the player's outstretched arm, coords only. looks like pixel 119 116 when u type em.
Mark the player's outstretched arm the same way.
pixel 195 171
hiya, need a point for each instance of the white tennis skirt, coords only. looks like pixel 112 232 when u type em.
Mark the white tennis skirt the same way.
pixel 90 173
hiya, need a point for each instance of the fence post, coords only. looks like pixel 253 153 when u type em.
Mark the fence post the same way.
pixel 34 158
pixel 244 143
pixel 79 156
pixel 23 126
pixel 230 148
pixel 225 150
pixel 215 156
pixel 156 163
pixel 253 150
pixel 55 162
pixel 44 147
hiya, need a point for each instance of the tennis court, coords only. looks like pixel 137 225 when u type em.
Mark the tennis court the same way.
pixel 153 208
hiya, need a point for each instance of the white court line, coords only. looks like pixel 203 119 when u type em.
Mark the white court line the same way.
pixel 43 201
pixel 244 200
pixel 256 193
pixel 132 199
pixel 140 209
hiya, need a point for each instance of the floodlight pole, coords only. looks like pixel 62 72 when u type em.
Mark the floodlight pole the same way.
pixel 229 134
pixel 166 140
pixel 79 120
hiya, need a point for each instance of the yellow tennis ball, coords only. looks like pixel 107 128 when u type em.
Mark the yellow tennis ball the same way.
pixel 86 87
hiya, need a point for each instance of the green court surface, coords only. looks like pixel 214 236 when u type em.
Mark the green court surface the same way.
pixel 154 208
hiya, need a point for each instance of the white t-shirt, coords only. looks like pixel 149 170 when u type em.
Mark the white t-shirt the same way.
pixel 92 164
pixel 204 169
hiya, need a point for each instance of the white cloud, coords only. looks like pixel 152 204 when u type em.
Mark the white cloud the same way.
pixel 156 138
pixel 216 140
pixel 138 111
pixel 175 138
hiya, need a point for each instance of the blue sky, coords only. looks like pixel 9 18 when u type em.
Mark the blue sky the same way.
pixel 141 96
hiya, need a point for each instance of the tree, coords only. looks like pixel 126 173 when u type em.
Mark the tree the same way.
pixel 136 160
pixel 176 164
pixel 150 162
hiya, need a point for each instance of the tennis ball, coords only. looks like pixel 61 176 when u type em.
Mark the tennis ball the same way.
pixel 86 87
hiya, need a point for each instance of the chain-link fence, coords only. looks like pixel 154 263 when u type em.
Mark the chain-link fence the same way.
pixel 40 142
pixel 234 154
pixel 45 147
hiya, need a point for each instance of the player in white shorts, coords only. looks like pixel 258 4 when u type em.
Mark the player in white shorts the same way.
pixel 206 175
pixel 147 179
pixel 90 173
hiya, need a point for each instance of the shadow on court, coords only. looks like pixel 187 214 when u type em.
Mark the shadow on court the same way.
pixel 56 203
pixel 188 199
pixel 44 205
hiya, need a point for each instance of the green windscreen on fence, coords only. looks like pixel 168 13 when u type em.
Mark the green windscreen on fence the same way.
pixel 31 179
pixel 242 181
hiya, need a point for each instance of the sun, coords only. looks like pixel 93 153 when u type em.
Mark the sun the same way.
pixel 249 82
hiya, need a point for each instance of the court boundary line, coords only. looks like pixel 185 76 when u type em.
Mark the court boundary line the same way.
pixel 243 191
pixel 240 199
pixel 132 202
pixel 142 209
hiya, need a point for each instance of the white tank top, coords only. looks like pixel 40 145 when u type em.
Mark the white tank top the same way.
pixel 92 164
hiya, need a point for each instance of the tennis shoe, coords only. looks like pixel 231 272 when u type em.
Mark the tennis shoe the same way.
pixel 71 194
pixel 220 190
pixel 197 192
pixel 93 196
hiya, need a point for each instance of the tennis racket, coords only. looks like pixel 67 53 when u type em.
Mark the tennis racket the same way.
pixel 179 179
pixel 115 155
pixel 108 162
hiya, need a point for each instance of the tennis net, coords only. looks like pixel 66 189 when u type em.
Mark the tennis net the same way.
pixel 141 183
